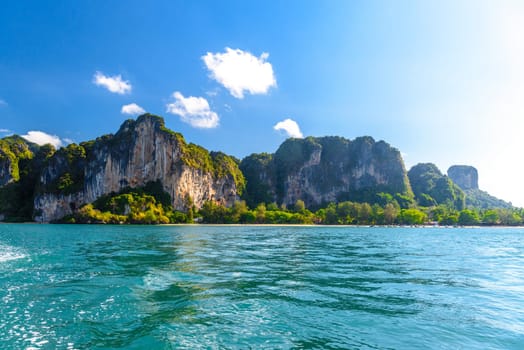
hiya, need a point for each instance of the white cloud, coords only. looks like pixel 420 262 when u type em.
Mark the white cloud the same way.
pixel 114 84
pixel 132 109
pixel 4 131
pixel 41 138
pixel 290 127
pixel 67 141
pixel 2 103
pixel 193 110
pixel 239 71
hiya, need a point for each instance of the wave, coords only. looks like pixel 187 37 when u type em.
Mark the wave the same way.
pixel 8 253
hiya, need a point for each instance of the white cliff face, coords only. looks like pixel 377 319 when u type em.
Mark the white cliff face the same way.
pixel 298 184
pixel 139 153
pixel 51 207
pixel 465 176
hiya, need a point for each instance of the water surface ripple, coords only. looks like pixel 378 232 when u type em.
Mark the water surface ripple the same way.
pixel 231 287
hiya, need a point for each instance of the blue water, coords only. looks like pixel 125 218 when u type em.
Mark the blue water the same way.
pixel 207 287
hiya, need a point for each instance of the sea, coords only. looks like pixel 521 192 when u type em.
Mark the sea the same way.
pixel 260 287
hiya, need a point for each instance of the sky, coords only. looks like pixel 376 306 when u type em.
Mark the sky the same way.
pixel 442 81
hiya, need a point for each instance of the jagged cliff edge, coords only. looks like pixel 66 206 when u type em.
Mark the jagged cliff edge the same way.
pixel 140 152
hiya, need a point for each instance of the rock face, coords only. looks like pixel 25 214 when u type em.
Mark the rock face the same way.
pixel 140 152
pixel 13 149
pixel 465 176
pixel 325 169
pixel 6 171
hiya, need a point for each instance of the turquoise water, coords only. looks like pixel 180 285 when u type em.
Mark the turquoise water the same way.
pixel 207 287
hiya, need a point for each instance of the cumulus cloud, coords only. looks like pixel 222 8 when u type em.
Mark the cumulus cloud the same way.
pixel 290 127
pixel 114 84
pixel 239 71
pixel 132 109
pixel 41 138
pixel 193 110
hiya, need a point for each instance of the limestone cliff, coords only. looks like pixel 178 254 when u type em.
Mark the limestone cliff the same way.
pixel 13 150
pixel 325 169
pixel 465 176
pixel 140 152
pixel 20 164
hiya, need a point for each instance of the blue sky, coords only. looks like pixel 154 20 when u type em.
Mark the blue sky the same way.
pixel 443 81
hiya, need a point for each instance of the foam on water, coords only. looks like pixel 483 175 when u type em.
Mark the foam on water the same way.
pixel 8 253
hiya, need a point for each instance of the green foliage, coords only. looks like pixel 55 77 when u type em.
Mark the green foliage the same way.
pixel 145 205
pixel 391 212
pixel 299 206
pixel 384 198
pixel 351 213
pixel 65 182
pixel 509 217
pixel 28 159
pixel 404 200
pixel 197 157
pixel 450 219
pixel 432 188
pixel 476 198
pixel 239 213
pixel 257 168
pixel 426 200
pixel 293 153
pixel 13 149
pixel 412 217
pixel 69 162
pixel 439 198
pixel 468 217
pixel 225 165
pixel 327 164
pixel 491 217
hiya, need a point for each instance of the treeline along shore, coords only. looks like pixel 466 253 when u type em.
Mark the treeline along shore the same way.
pixel 146 173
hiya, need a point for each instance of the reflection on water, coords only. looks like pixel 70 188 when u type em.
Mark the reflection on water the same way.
pixel 83 287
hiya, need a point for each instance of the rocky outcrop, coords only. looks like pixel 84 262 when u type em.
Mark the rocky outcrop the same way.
pixel 141 151
pixel 6 170
pixel 20 164
pixel 325 169
pixel 465 176
pixel 13 149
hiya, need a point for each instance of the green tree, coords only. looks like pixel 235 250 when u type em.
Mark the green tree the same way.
pixel 509 217
pixel 412 216
pixel 391 213
pixel 300 206
pixel 468 217
pixel 377 217
pixel 238 209
pixel 364 213
pixel 491 217
pixel 260 213
pixel 331 214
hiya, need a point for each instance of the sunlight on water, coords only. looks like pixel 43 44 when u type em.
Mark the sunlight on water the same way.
pixel 8 253
pixel 200 287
